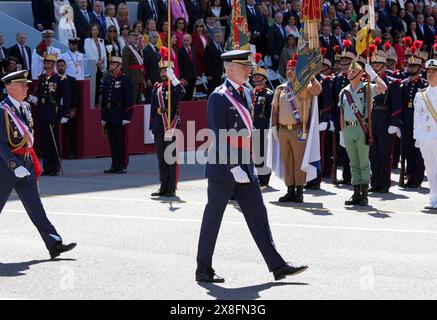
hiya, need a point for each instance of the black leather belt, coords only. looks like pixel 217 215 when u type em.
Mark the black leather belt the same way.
pixel 380 108
pixel 353 123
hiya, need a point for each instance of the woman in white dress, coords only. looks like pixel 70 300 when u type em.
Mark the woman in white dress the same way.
pixel 66 28
pixel 57 4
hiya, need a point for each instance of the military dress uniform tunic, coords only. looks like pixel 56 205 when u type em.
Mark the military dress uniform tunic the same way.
pixel 54 99
pixel 117 105
pixel 425 134
pixel 339 82
pixel 354 136
pixel 167 171
pixel 386 112
pixel 262 108
pixel 415 167
pixel 26 188
pixel 222 115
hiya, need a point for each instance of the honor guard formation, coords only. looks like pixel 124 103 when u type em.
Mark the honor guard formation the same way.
pixel 368 111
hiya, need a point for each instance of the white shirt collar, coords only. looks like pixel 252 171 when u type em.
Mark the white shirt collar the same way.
pixel 432 90
pixel 234 84
pixel 14 102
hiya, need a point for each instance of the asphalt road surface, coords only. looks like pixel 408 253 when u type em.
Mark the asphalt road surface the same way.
pixel 133 247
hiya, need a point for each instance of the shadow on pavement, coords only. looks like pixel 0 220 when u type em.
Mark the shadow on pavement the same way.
pixel 245 293
pixel 17 269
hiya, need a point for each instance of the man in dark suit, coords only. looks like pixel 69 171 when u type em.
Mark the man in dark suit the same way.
pixel 384 16
pixel 253 18
pixel 326 41
pixel 187 67
pixel 98 17
pixel 152 57
pixel 3 50
pixel 22 52
pixel 230 171
pixel 43 14
pixel 277 35
pixel 194 13
pixel 149 9
pixel 409 13
pixel 213 61
pixel 82 22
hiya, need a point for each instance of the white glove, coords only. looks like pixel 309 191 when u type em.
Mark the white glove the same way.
pixel 170 74
pixel 342 139
pixel 275 133
pixel 21 172
pixel 369 70
pixel 125 122
pixel 331 126
pixel 103 123
pixel 323 126
pixel 32 99
pixel 398 133
pixel 239 175
pixel 64 120
pixel 392 129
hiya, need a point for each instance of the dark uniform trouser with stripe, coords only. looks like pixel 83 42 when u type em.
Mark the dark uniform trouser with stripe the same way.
pixel 415 166
pixel 167 171
pixel 116 136
pixel 50 158
pixel 250 199
pixel 381 155
pixel 27 190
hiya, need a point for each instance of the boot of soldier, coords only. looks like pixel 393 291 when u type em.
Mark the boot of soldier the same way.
pixel 299 194
pixel 290 196
pixel 364 201
pixel 355 199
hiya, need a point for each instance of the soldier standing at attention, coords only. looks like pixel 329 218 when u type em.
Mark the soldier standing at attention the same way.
pixel 133 66
pixel 354 133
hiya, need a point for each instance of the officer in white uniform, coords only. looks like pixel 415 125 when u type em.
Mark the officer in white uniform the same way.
pixel 38 57
pixel 425 128
pixel 74 60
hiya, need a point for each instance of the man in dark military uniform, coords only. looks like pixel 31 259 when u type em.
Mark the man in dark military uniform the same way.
pixel 19 166
pixel 165 135
pixel 117 110
pixel 53 94
pixel 415 167
pixel 230 170
pixel 262 108
pixel 339 82
pixel 386 113
pixel 133 66
pixel 326 127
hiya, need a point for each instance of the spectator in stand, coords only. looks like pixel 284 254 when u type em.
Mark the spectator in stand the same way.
pixel 262 41
pixel 174 54
pixel 412 31
pixel 400 51
pixel 98 17
pixel 57 4
pixel 277 35
pixel 430 31
pixel 149 9
pixel 346 22
pixel 151 27
pixel 152 70
pixel 253 20
pixel 163 33
pixel 124 37
pixel 66 28
pixel 3 50
pixel 200 41
pixel 187 67
pixel 123 14
pixel 221 15
pixel 409 13
pixel 425 33
pixel 210 25
pixel 337 36
pixel 179 11
pixel 180 28
pixel 213 61
pixel 43 15
pixel 395 19
pixel 287 54
pixel 194 13
pixel 419 8
pixel 291 27
pixel 428 11
pixel 110 18
pixel 95 50
pixel 384 16
pixel 332 14
pixel 139 28
pixel 112 40
pixel 21 51
pixel 402 14
pixel 326 41
pixel 205 8
pixel 82 22
pixel 74 60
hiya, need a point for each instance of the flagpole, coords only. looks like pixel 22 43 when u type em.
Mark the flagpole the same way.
pixel 369 91
pixel 169 63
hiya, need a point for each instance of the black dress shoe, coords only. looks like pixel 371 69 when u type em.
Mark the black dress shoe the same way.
pixel 60 248
pixel 45 173
pixel 120 171
pixel 208 276
pixel 374 189
pixel 110 170
pixel 159 193
pixel 430 208
pixel 287 270
pixel 170 194
pixel 54 174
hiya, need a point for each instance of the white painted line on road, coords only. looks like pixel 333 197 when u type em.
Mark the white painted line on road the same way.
pixel 308 226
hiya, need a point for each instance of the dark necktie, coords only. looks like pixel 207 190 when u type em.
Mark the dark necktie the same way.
pixel 23 54
pixel 243 96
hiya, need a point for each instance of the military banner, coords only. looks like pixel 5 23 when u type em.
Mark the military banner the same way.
pixel 239 29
